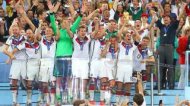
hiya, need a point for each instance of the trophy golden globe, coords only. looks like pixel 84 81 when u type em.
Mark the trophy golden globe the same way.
pixel 126 16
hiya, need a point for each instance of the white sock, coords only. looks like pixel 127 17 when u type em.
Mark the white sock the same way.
pixel 14 93
pixel 102 95
pixel 29 96
pixel 40 98
pixel 82 95
pixel 91 92
pixel 144 85
pixel 52 98
pixel 47 98
pixel 108 96
pixel 118 98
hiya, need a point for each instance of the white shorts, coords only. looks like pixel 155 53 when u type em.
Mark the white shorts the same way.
pixel 124 72
pixel 96 67
pixel 108 69
pixel 80 68
pixel 33 66
pixel 46 70
pixel 18 69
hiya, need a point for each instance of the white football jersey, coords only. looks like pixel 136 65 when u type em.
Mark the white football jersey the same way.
pixel 96 47
pixel 81 48
pixel 48 47
pixel 126 52
pixel 19 44
pixel 138 56
pixel 112 54
pixel 33 50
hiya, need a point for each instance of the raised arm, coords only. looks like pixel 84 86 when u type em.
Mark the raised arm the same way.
pixel 105 50
pixel 24 15
pixel 78 20
pixel 91 14
pixel 57 35
pixel 68 29
pixel 53 8
pixel 71 9
pixel 136 36
pixel 53 23
pixel 120 32
pixel 115 5
pixel 38 31
pixel 96 29
pixel 139 84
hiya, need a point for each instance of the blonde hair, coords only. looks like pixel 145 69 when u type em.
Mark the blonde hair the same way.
pixel 186 29
pixel 186 25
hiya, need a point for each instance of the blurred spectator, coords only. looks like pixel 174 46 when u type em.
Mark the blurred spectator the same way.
pixel 184 42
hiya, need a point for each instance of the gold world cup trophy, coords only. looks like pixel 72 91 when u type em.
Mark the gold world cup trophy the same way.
pixel 126 16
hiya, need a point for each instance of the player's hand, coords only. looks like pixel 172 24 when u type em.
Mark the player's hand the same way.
pixel 20 10
pixel 67 25
pixel 143 61
pixel 50 6
pixel 8 61
pixel 139 76
pixel 84 8
pixel 12 57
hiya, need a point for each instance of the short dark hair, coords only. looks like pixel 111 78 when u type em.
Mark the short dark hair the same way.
pixel 81 27
pixel 114 37
pixel 112 20
pixel 138 99
pixel 78 102
pixel 167 3
pixel 39 12
pixel 146 37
